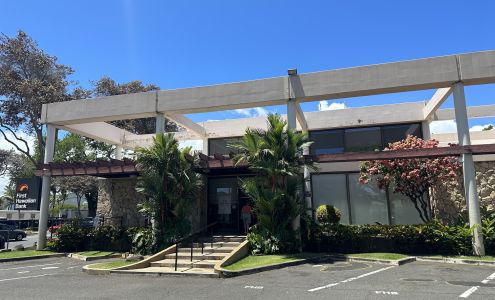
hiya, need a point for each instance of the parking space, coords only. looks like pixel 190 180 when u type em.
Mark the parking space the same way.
pixel 347 280
pixel 61 278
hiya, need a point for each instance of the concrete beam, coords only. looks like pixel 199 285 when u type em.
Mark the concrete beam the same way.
pixel 120 107
pixel 301 119
pixel 187 123
pixel 99 131
pixel 366 116
pixel 473 112
pixel 434 103
pixel 429 73
pixel 246 94
pixel 145 140
pixel 477 137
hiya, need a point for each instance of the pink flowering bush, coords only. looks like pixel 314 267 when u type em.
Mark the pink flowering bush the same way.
pixel 411 177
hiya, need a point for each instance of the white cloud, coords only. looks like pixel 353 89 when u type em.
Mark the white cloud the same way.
pixel 450 126
pixel 252 112
pixel 244 111
pixel 325 105
pixel 479 127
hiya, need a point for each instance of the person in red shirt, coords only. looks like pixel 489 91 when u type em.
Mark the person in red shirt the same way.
pixel 246 212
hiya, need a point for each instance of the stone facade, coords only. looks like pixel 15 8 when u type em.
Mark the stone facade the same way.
pixel 448 198
pixel 118 200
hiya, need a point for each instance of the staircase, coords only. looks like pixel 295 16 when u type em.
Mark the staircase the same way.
pixel 205 255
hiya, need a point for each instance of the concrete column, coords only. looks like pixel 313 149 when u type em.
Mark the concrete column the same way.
pixel 291 124
pixel 291 114
pixel 160 123
pixel 425 128
pixel 307 184
pixel 469 173
pixel 205 146
pixel 119 152
pixel 45 187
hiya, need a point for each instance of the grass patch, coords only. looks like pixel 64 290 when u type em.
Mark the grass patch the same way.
pixel 266 260
pixel 480 258
pixel 95 253
pixel 25 253
pixel 389 256
pixel 111 264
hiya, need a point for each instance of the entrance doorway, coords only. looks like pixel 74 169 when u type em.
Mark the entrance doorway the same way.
pixel 225 200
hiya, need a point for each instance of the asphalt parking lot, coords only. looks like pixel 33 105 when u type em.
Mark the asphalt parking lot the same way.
pixel 61 278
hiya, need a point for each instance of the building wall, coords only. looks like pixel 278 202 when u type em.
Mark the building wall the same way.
pixel 118 200
pixel 448 198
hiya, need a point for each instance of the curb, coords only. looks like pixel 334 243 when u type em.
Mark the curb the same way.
pixel 91 271
pixel 227 273
pixel 32 257
pixel 176 274
pixel 460 261
pixel 92 258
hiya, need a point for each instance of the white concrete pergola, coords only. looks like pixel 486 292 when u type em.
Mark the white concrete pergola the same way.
pixel 447 74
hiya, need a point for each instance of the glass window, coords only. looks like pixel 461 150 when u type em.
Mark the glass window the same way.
pixel 395 133
pixel 327 142
pixel 368 202
pixel 221 146
pixel 331 189
pixel 363 139
pixel 402 210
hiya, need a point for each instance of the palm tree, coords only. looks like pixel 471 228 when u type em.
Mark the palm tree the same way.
pixel 169 185
pixel 276 156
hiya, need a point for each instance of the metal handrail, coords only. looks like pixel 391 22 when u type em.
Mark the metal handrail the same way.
pixel 190 238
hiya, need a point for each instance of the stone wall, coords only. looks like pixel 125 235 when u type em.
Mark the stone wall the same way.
pixel 448 198
pixel 117 202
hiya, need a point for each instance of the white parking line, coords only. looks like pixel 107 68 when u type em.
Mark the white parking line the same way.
pixel 26 267
pixel 469 292
pixel 349 279
pixel 256 287
pixel 26 277
pixel 474 288
pixel 49 268
pixel 386 292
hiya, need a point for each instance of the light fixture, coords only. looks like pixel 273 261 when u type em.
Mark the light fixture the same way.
pixel 292 72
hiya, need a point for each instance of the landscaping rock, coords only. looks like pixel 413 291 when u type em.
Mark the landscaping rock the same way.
pixel 134 257
pixel 18 248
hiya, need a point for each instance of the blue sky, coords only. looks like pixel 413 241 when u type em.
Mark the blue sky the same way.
pixel 177 44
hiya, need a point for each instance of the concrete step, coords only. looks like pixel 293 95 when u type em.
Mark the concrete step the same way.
pixel 197 255
pixel 216 245
pixel 218 249
pixel 185 263
pixel 224 238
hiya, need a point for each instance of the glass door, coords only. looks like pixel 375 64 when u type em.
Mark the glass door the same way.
pixel 223 203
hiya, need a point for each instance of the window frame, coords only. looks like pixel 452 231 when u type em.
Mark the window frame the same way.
pixel 349 208
pixel 381 127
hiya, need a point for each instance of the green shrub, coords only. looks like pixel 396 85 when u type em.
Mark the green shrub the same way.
pixel 328 214
pixel 142 241
pixel 431 238
pixel 71 238
pixel 263 242
pixel 110 239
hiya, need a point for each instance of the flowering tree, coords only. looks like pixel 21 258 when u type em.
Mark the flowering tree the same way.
pixel 412 177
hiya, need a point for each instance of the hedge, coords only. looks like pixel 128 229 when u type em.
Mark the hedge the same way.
pixel 431 238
